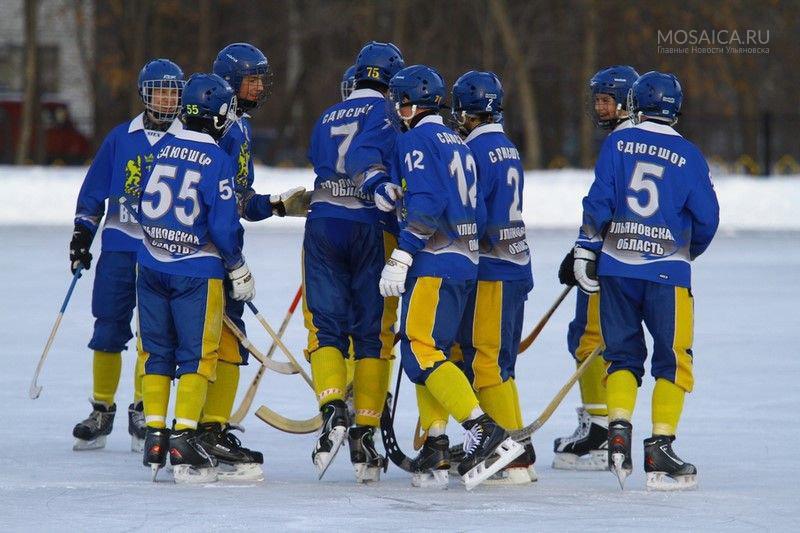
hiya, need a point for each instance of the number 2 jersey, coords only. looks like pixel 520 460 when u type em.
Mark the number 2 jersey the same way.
pixel 442 206
pixel 651 208
pixel 188 209
pixel 504 254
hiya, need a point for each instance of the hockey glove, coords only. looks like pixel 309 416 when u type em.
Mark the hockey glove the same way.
pixel 244 286
pixel 566 275
pixel 79 248
pixel 386 196
pixel 289 203
pixel 585 269
pixel 393 277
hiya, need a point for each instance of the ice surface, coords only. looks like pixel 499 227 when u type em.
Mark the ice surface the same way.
pixel 739 426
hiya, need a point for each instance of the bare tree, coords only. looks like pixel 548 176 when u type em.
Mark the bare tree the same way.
pixel 30 105
pixel 589 66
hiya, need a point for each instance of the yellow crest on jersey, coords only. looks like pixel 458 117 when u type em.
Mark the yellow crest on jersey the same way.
pixel 133 174
pixel 243 172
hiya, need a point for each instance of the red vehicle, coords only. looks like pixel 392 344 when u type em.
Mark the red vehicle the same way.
pixel 63 142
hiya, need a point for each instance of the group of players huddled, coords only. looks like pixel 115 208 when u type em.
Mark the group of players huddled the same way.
pixel 407 214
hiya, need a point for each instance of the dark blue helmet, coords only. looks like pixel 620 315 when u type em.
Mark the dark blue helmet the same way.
pixel 657 96
pixel 239 60
pixel 209 105
pixel 477 93
pixel 418 85
pixel 615 81
pixel 378 62
pixel 160 85
pixel 348 81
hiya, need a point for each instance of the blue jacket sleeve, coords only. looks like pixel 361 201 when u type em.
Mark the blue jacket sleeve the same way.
pixel 703 205
pixel 599 203
pixel 424 197
pixel 96 185
pixel 371 149
pixel 224 228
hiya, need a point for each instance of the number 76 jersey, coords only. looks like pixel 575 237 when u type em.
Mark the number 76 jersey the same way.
pixel 651 208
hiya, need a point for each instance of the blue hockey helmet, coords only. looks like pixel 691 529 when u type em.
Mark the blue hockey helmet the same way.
pixel 477 93
pixel 614 81
pixel 348 81
pixel 209 105
pixel 378 62
pixel 657 96
pixel 418 86
pixel 237 61
pixel 160 85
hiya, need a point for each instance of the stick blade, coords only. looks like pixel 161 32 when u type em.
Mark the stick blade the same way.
pixel 35 390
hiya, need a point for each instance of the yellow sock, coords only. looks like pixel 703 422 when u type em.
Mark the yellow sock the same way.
pixel 329 374
pixel 155 394
pixel 667 407
pixel 593 388
pixel 621 389
pixel 138 372
pixel 497 401
pixel 369 390
pixel 189 400
pixel 431 412
pixel 517 406
pixel 221 394
pixel 452 390
pixel 106 369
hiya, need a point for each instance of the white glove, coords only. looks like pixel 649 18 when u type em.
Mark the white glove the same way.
pixel 290 202
pixel 386 196
pixel 585 270
pixel 244 286
pixel 393 277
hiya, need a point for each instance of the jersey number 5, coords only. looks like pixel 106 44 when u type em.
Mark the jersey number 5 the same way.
pixel 188 195
pixel 640 182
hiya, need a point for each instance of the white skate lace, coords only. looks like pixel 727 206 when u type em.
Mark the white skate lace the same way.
pixel 472 438
pixel 584 423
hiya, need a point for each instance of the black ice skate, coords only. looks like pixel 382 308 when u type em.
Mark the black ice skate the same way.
pixel 136 426
pixel 431 468
pixel 191 463
pixel 91 433
pixel 155 447
pixel 235 462
pixel 586 448
pixel 520 471
pixel 665 470
pixel 367 462
pixel 456 456
pixel 619 450
pixel 331 435
pixel 488 448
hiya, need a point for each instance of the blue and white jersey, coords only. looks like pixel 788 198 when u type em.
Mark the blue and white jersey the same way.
pixel 238 144
pixel 188 209
pixel 124 157
pixel 351 149
pixel 442 205
pixel 504 254
pixel 651 208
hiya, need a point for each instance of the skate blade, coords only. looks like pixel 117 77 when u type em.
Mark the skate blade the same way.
pixel 518 475
pixel 81 445
pixel 366 473
pixel 192 475
pixel 435 479
pixel 622 473
pixel 507 451
pixel 661 481
pixel 155 467
pixel 595 460
pixel 324 459
pixel 240 472
pixel 137 444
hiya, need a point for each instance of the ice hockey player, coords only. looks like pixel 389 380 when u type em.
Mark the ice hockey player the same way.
pixel 247 71
pixel 650 211
pixel 343 253
pixel 492 325
pixel 586 449
pixel 125 155
pixel 434 268
pixel 192 240
pixel 348 84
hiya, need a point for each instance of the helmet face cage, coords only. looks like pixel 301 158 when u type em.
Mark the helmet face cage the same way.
pixel 227 115
pixel 264 74
pixel 162 98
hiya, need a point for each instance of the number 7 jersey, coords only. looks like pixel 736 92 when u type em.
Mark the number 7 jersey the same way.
pixel 651 208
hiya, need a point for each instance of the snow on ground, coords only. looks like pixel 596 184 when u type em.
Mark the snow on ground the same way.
pixel 739 426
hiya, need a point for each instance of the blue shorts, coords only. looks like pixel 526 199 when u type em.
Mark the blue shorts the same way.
pixel 113 300
pixel 430 320
pixel 583 335
pixel 181 323
pixel 342 264
pixel 491 331
pixel 668 313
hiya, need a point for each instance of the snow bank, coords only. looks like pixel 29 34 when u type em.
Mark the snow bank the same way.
pixel 46 195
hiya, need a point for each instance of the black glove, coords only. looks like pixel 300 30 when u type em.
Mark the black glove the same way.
pixel 79 248
pixel 566 273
